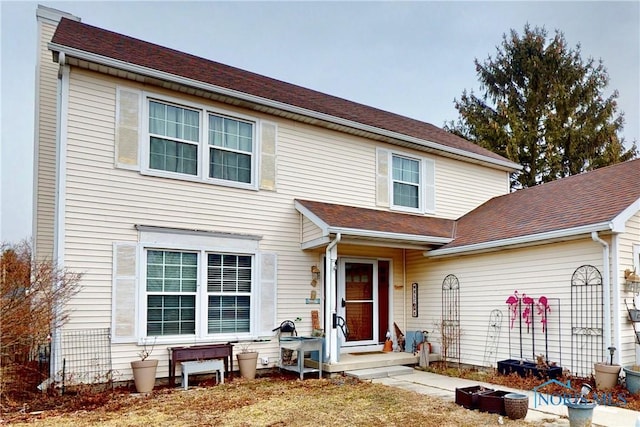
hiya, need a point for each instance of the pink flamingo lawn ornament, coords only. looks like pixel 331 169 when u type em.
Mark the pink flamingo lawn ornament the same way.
pixel 513 301
pixel 526 313
pixel 543 309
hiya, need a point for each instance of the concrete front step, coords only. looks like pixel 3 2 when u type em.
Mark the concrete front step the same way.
pixel 382 372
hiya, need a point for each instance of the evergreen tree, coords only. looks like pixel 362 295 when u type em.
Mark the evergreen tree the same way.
pixel 543 107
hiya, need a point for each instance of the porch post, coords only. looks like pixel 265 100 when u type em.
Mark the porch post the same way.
pixel 331 335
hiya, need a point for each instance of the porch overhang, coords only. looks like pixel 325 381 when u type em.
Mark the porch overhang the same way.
pixel 369 227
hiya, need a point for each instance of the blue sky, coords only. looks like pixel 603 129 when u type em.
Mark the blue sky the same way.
pixel 411 58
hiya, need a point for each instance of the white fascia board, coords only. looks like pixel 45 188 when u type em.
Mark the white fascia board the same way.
pixel 389 235
pixel 195 232
pixel 80 54
pixel 315 219
pixel 520 241
pixel 621 219
pixel 316 243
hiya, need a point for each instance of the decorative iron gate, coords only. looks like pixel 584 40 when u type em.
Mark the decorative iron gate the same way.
pixel 587 341
pixel 450 326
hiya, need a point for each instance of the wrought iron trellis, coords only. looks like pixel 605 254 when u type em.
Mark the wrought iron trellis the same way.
pixel 493 337
pixel 450 327
pixel 587 340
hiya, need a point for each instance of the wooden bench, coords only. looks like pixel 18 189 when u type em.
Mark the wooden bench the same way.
pixel 202 367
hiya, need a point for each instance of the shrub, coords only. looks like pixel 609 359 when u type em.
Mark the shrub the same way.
pixel 33 297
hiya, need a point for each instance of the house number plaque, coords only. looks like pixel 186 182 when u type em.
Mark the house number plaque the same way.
pixel 414 300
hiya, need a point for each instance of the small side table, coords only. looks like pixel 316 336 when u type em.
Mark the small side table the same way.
pixel 301 345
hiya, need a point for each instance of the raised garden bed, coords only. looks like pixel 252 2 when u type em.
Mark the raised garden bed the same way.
pixel 492 402
pixel 525 369
pixel 468 396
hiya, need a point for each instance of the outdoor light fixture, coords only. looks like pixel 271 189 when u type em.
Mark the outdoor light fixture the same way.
pixel 632 280
pixel 584 392
pixel 612 350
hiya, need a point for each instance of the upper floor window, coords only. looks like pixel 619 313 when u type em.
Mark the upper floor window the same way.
pixel 219 148
pixel 174 133
pixel 230 148
pixel 406 181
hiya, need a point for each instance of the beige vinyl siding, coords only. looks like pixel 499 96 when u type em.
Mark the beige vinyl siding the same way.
pixel 487 280
pixel 461 187
pixel 45 150
pixel 631 236
pixel 104 203
pixel 309 230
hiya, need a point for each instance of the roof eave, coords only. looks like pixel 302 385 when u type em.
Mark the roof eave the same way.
pixel 411 238
pixel 137 69
pixel 619 222
pixel 556 235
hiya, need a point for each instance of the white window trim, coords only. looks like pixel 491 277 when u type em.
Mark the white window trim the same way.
pixel 422 192
pixel 202 243
pixel 203 144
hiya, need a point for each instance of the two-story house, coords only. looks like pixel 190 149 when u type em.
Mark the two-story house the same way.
pixel 204 203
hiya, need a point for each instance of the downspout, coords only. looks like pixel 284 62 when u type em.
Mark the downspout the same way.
pixel 606 284
pixel 615 282
pixel 58 238
pixel 331 336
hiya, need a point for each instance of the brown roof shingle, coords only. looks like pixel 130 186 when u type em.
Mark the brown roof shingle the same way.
pixel 380 221
pixel 580 200
pixel 108 44
pixel 591 198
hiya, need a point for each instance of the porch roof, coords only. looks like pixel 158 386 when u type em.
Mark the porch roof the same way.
pixel 389 228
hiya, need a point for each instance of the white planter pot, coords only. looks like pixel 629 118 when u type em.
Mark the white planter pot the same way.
pixel 144 374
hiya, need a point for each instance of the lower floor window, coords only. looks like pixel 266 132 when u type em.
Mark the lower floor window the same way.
pixel 183 287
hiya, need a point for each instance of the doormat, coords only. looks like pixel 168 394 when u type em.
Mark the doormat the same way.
pixel 366 352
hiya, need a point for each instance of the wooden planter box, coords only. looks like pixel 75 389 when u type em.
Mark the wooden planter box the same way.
pixel 492 402
pixel 525 369
pixel 468 396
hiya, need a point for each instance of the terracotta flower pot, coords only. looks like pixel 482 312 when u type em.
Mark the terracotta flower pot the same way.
pixel 606 375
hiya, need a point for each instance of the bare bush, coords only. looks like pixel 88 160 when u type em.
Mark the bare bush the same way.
pixel 33 297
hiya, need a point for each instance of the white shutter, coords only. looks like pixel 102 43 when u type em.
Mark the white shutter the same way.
pixel 123 300
pixel 268 156
pixel 430 186
pixel 382 177
pixel 128 128
pixel 267 304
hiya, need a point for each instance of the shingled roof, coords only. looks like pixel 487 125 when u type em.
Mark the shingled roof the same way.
pixel 94 44
pixel 600 200
pixel 355 219
pixel 591 201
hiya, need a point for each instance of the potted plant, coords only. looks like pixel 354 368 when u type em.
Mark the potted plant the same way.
pixel 247 361
pixel 606 374
pixel 632 378
pixel 144 370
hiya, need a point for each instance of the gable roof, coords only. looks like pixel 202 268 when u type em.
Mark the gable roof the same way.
pixel 599 200
pixel 95 45
pixel 405 229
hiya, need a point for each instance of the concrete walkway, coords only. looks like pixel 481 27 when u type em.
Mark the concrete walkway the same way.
pixel 539 411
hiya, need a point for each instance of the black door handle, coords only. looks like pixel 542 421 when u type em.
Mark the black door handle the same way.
pixel 344 303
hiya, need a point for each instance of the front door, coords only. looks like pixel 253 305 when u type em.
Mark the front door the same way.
pixel 358 300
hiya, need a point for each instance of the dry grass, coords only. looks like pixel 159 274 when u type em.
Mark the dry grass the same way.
pixel 278 400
